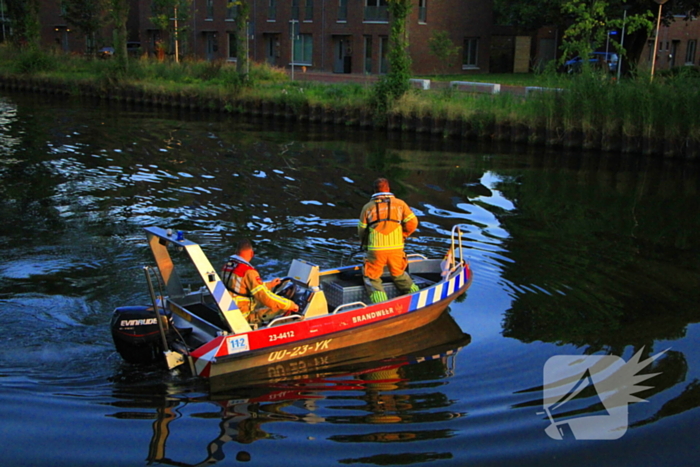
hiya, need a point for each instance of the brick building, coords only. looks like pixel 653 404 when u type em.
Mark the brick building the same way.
pixel 678 45
pixel 340 36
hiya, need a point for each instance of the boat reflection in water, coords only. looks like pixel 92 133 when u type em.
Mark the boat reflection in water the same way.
pixel 375 370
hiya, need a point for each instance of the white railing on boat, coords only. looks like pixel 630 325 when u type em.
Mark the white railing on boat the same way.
pixel 416 255
pixel 456 231
pixel 284 318
pixel 348 305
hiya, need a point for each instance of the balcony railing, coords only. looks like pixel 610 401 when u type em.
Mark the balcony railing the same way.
pixel 376 13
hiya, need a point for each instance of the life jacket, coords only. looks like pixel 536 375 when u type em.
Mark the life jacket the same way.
pixel 376 235
pixel 379 199
pixel 232 275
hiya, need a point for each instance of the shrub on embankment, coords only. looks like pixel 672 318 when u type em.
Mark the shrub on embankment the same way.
pixel 589 111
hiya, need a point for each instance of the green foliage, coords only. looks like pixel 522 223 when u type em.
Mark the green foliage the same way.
pixel 119 13
pixel 88 17
pixel 443 48
pixel 162 13
pixel 527 15
pixel 34 61
pixel 263 72
pixel 26 28
pixel 588 30
pixel 338 95
pixel 591 22
pixel 395 84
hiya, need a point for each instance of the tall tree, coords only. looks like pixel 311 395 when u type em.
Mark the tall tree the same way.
pixel 399 57
pixel 586 16
pixel 396 82
pixel 443 48
pixel 163 13
pixel 242 18
pixel 119 12
pixel 25 25
pixel 528 16
pixel 88 17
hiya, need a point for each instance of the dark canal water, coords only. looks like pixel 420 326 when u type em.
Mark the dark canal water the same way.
pixel 572 254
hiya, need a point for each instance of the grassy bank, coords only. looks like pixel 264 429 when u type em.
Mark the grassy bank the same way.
pixel 587 111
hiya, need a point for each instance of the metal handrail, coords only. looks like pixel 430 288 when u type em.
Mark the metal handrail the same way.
pixel 159 280
pixel 283 318
pixel 345 305
pixel 416 255
pixel 152 293
pixel 456 230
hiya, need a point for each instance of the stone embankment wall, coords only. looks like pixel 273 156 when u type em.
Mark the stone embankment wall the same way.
pixel 484 131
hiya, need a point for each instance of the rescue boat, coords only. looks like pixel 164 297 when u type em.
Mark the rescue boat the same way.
pixel 203 331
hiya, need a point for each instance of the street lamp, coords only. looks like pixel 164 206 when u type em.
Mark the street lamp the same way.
pixel 622 40
pixel 177 39
pixel 656 39
pixel 293 32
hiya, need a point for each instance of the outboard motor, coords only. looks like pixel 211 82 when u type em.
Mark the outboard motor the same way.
pixel 136 334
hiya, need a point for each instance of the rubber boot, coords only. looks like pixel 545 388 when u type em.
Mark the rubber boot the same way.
pixel 375 290
pixel 404 284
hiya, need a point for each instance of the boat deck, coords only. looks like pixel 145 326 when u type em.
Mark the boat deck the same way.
pixel 340 288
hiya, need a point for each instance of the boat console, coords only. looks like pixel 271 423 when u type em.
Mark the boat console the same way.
pixel 301 285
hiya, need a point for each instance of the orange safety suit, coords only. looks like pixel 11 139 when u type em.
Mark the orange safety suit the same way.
pixel 252 296
pixel 385 222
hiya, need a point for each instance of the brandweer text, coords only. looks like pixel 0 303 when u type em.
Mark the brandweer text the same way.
pixel 374 314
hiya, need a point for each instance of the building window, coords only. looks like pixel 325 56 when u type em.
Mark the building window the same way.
pixel 295 9
pixel 383 51
pixel 309 12
pixel 690 51
pixel 470 59
pixel 368 54
pixel 376 10
pixel 272 10
pixel 422 11
pixel 303 49
pixel 342 10
pixel 210 9
pixel 232 46
pixel 231 10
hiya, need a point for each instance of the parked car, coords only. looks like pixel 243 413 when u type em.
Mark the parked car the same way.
pixel 105 52
pixel 132 48
pixel 596 59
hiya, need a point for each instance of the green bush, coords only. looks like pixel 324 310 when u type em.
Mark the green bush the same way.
pixel 34 61
pixel 263 72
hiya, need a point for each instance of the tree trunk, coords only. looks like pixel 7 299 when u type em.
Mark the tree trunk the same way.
pixel 242 18
pixel 120 14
